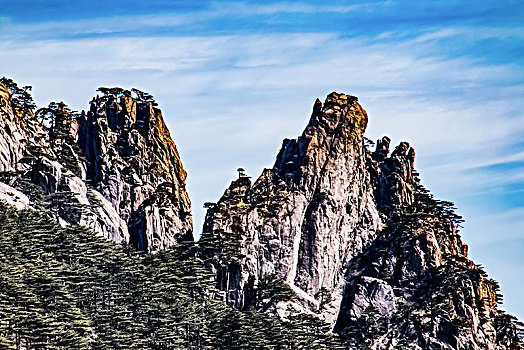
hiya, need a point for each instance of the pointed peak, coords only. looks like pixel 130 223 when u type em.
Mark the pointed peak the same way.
pixel 340 98
pixel 382 147
pixel 317 107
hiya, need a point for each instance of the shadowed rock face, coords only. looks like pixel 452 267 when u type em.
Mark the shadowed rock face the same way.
pixel 352 231
pixel 18 132
pixel 333 216
pixel 392 177
pixel 115 170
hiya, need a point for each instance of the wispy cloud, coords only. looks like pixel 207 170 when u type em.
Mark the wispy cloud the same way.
pixel 158 24
pixel 248 9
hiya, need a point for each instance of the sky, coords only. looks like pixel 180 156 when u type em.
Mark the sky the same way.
pixel 234 78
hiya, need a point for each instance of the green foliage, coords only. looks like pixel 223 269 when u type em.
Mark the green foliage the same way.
pixel 57 117
pixel 368 143
pixel 425 204
pixel 364 331
pixel 59 120
pixel 270 291
pixel 221 247
pixel 309 332
pixel 114 91
pixel 144 97
pixel 64 288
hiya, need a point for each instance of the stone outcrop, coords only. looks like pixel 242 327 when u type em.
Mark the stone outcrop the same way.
pixel 348 230
pixel 134 163
pixel 361 242
pixel 439 299
pixel 19 134
pixel 115 169
pixel 392 176
pixel 13 197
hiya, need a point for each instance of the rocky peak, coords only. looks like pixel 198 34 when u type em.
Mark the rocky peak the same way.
pixel 134 163
pixel 393 179
pixel 115 168
pixel 333 129
pixel 20 133
pixel 349 234
pixel 306 217
pixel 359 240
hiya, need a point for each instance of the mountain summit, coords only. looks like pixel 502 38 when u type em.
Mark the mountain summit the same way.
pixel 115 169
pixel 362 243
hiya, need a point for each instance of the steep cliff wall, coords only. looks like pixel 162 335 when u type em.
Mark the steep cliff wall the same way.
pixel 305 218
pixel 134 163
pixel 115 169
pixel 19 133
pixel 334 229
pixel 414 287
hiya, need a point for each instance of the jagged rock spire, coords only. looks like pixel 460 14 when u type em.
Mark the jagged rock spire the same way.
pixel 359 241
pixel 312 212
pixel 135 164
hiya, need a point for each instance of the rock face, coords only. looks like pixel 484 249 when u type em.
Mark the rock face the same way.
pixel 115 169
pixel 18 133
pixel 134 163
pixel 360 241
pixel 315 210
pixel 426 293
pixel 393 177
pixel 13 197
pixel 349 231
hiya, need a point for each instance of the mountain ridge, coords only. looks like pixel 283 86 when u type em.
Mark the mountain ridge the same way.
pixel 117 162
pixel 335 232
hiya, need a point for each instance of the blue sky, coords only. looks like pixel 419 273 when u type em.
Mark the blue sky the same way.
pixel 235 78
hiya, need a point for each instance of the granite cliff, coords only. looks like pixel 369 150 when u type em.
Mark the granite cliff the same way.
pixel 114 169
pixel 361 242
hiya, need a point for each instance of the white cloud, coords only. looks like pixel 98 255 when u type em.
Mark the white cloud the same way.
pixel 265 85
pixel 242 9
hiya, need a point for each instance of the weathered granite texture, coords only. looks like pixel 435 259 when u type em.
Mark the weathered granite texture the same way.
pixel 305 218
pixel 20 133
pixel 360 241
pixel 351 231
pixel 115 170
pixel 134 163
pixel 13 196
pixel 426 293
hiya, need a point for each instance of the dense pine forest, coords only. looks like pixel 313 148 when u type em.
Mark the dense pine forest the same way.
pixel 65 288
